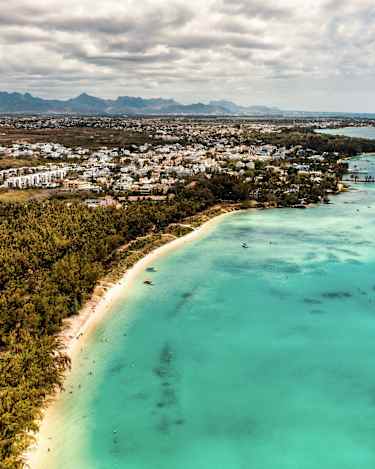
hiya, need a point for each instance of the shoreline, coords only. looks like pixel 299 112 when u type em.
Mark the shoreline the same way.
pixel 80 327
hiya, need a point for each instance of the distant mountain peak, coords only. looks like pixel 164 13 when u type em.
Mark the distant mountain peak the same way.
pixel 234 108
pixel 129 105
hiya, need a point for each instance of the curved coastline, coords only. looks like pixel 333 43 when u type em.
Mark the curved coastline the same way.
pixel 80 327
pixel 37 457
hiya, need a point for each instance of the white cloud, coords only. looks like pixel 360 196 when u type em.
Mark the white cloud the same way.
pixel 288 52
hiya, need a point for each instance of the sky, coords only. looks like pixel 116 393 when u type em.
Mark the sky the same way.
pixel 295 54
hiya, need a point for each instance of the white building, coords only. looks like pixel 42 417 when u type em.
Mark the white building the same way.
pixel 44 179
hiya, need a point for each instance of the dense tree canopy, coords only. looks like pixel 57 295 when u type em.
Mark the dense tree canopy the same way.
pixel 51 256
pixel 321 143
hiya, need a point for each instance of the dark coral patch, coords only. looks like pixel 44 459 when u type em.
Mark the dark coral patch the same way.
pixel 312 301
pixel 339 295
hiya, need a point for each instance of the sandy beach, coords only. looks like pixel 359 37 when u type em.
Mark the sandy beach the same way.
pixel 79 328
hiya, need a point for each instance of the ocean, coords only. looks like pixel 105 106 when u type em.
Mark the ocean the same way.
pixel 236 358
pixel 357 132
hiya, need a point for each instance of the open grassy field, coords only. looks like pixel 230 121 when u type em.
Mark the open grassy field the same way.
pixel 75 137
pixel 26 195
pixel 8 196
pixel 6 163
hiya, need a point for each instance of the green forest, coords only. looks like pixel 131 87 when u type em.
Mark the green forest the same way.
pixel 308 138
pixel 52 254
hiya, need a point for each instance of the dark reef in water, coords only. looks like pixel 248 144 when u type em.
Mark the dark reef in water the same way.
pixel 117 368
pixel 333 295
pixel 165 362
pixel 185 298
pixel 312 301
pixel 167 404
pixel 187 295
pixel 164 425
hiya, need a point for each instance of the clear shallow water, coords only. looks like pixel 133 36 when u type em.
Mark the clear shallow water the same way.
pixel 363 166
pixel 257 358
pixel 358 132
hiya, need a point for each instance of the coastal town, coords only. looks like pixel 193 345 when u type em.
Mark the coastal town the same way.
pixel 87 202
pixel 187 196
pixel 167 153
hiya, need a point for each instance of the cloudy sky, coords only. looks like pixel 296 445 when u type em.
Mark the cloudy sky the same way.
pixel 295 54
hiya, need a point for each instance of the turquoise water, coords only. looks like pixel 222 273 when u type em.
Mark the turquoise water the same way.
pixel 358 132
pixel 258 358
pixel 361 166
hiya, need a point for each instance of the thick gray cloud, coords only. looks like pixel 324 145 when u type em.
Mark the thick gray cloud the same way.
pixel 297 54
pixel 257 9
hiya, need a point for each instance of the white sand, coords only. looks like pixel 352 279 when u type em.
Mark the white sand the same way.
pixel 81 326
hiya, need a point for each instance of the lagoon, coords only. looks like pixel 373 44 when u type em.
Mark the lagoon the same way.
pixel 236 358
pixel 357 132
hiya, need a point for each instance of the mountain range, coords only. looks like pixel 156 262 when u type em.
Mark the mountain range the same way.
pixel 11 103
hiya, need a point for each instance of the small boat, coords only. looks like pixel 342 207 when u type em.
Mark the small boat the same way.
pixel 148 282
pixel 245 246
